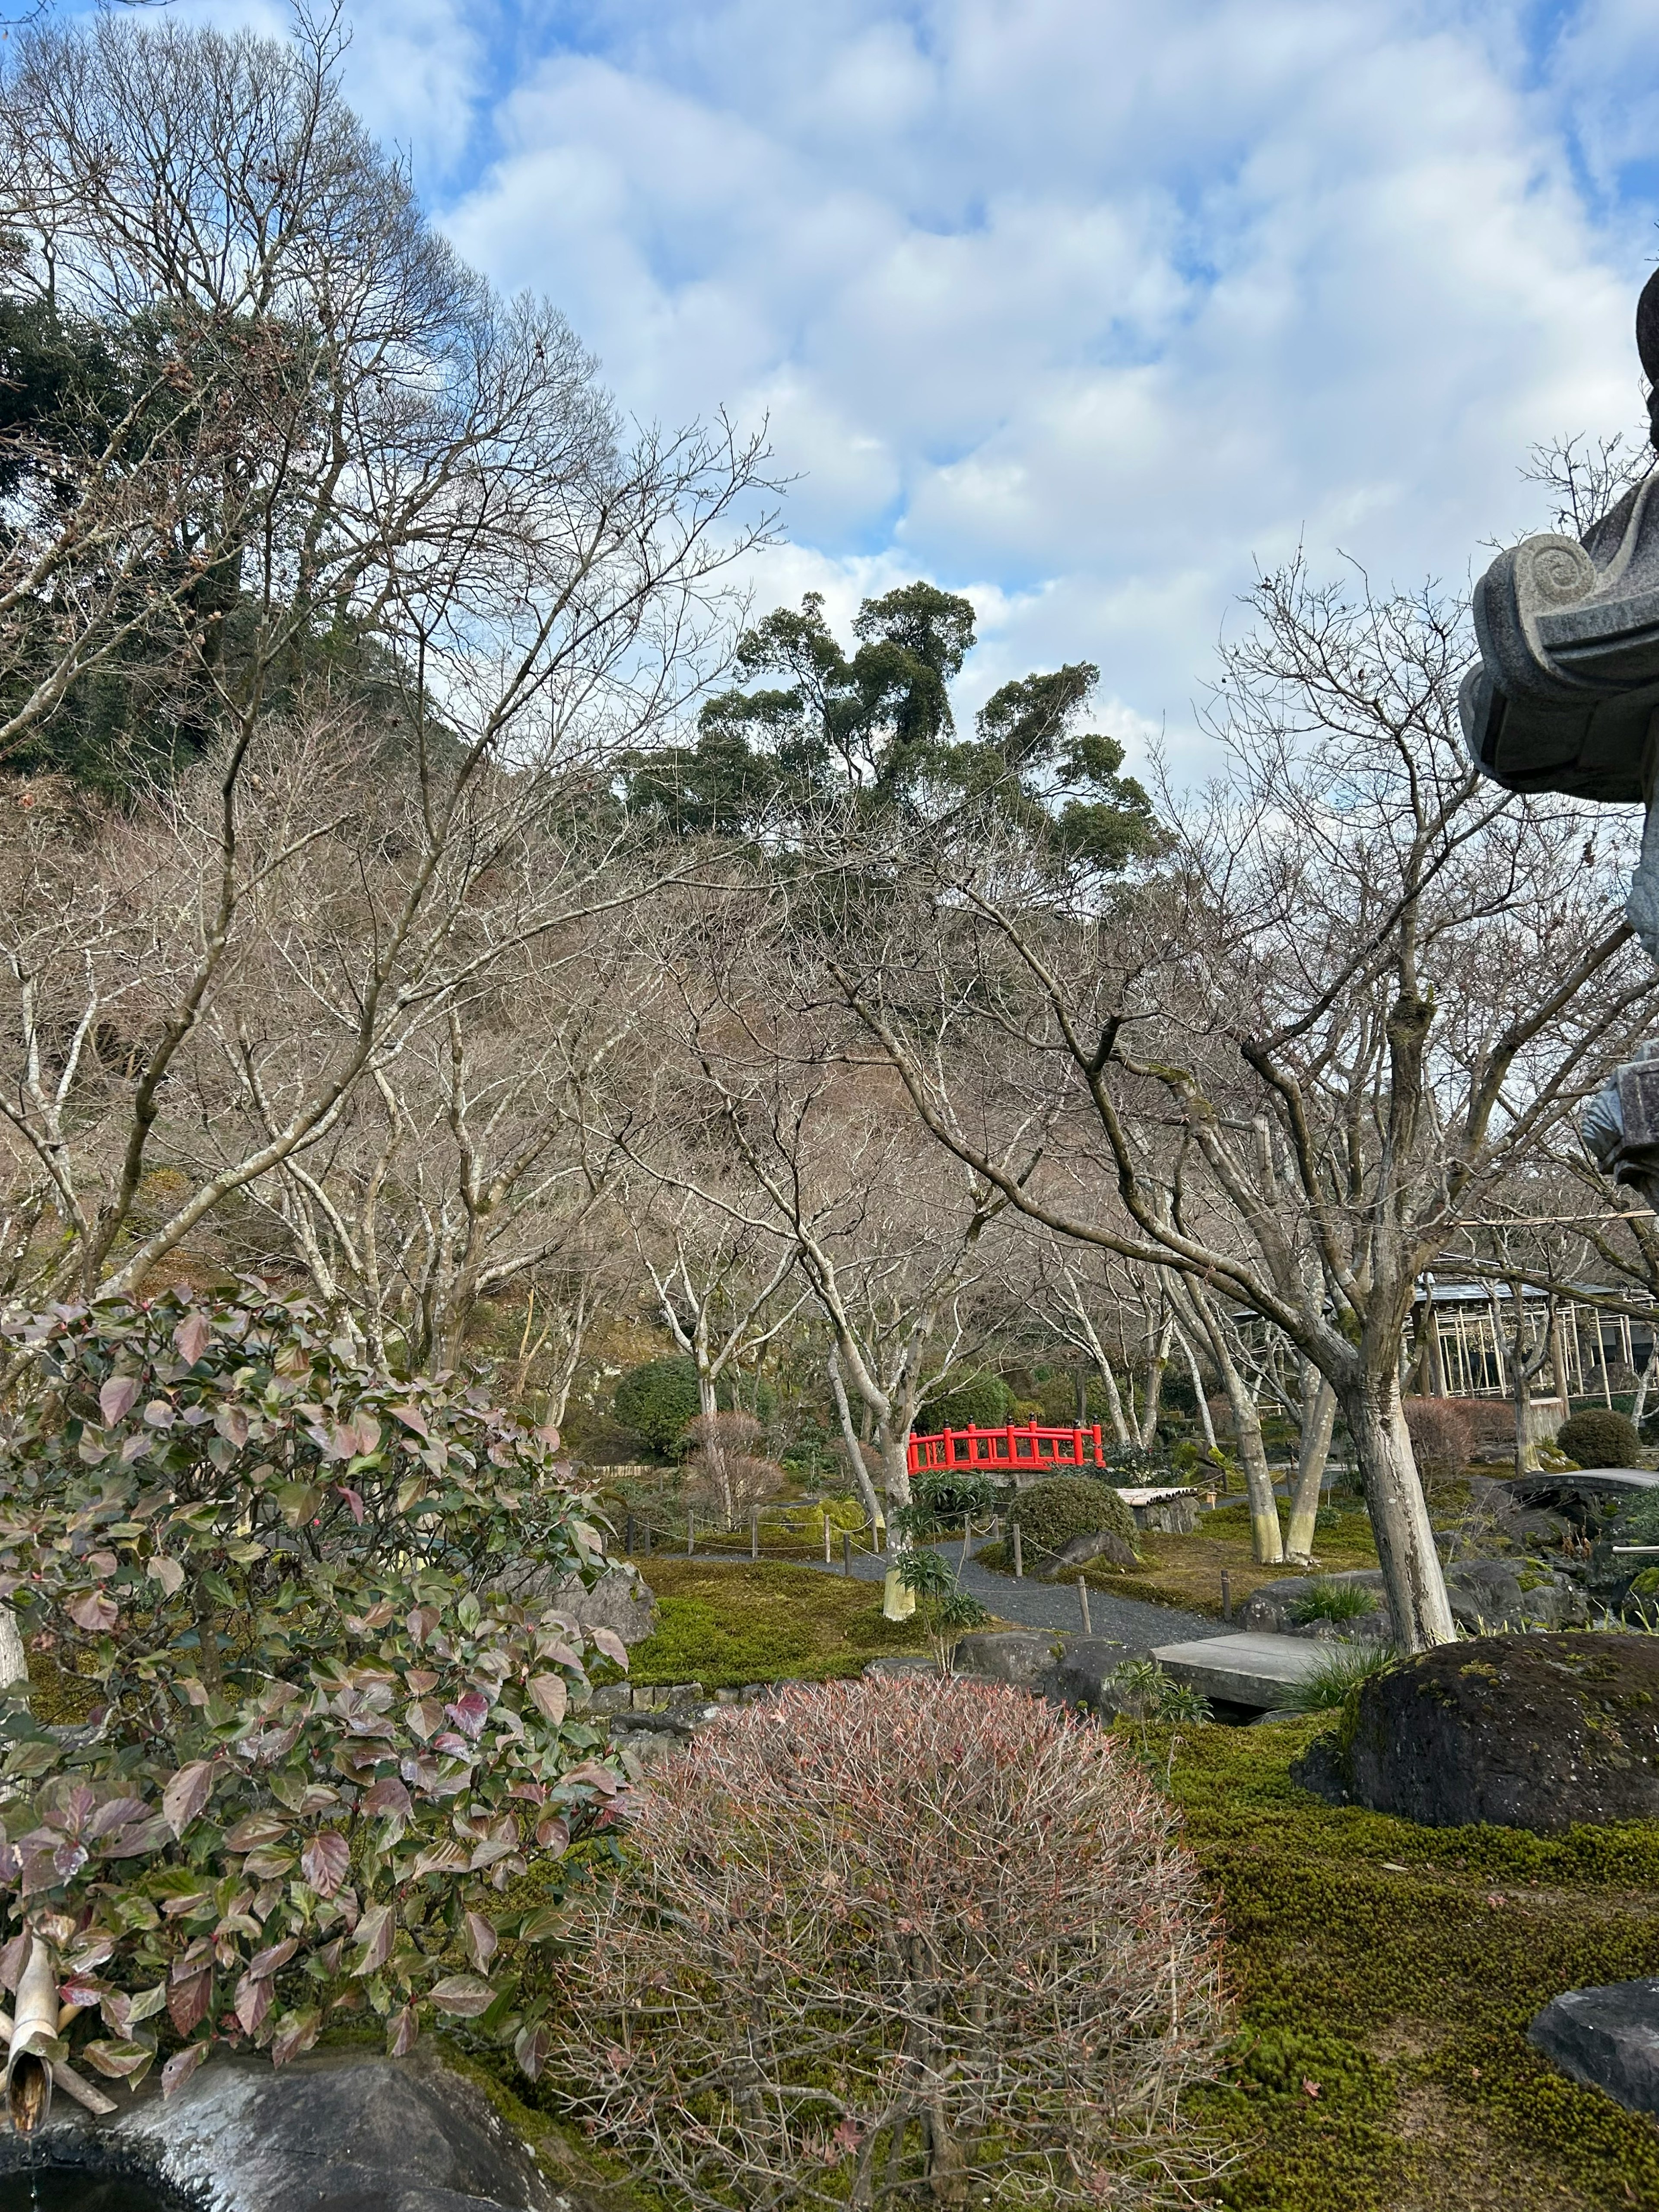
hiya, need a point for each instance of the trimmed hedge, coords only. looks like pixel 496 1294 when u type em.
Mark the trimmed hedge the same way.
pixel 658 1401
pixel 1051 1513
pixel 1600 1438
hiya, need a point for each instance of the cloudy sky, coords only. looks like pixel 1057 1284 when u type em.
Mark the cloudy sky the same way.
pixel 1085 308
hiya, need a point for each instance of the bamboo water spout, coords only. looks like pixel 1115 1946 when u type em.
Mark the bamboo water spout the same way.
pixel 34 2041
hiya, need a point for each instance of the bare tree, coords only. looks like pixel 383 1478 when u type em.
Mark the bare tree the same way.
pixel 1292 1064
pixel 406 459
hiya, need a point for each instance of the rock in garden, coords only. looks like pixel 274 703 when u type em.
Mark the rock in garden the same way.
pixel 1096 1543
pixel 1018 1655
pixel 621 1598
pixel 328 2132
pixel 1538 1732
pixel 1609 2036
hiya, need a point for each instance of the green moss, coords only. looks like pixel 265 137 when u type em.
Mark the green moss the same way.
pixel 723 1626
pixel 1396 1968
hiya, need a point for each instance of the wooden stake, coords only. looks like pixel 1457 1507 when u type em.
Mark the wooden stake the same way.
pixel 1083 1604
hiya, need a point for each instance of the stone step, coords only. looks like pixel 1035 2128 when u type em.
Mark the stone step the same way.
pixel 1244 1670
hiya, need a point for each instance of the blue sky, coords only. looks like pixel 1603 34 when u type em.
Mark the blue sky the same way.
pixel 1086 307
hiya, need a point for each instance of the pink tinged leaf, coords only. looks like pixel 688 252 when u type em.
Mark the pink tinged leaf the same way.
pixel 401 2031
pixel 423 1717
pixel 375 1932
pixel 80 1994
pixel 188 2000
pixel 551 1696
pixel 134 1447
pixel 469 1713
pixel 168 1573
pixel 115 1398
pixel 94 1611
pixel 421 1622
pixel 596 1776
pixel 326 1861
pixel 412 1418
pixel 466 1996
pixel 530 2048
pixel 608 1641
pixel 297 2034
pixel 68 1860
pixel 118 2060
pixel 389 1795
pixel 482 1940
pixel 355 1501
pixel 257 1829
pixel 186 1794
pixel 548 1435
pixel 232 1423
pixel 158 1414
pixel 265 1963
pixel 183 2064
pixel 193 1337
pixel 553 1834
pixel 117 2008
pixel 253 2002
pixel 560 1654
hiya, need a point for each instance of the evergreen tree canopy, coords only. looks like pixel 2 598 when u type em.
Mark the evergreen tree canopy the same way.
pixel 876 721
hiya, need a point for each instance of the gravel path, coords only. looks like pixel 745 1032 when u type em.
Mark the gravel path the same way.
pixel 1027 1604
pixel 1127 1621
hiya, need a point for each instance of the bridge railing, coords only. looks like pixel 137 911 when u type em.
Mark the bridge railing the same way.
pixel 1015 1445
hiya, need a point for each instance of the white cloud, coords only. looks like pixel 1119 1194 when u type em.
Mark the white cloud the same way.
pixel 1082 307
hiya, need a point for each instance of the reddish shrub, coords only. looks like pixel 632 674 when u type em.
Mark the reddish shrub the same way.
pixel 727 1468
pixel 900 1938
pixel 1441 1437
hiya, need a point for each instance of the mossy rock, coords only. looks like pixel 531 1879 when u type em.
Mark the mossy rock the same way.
pixel 1538 1732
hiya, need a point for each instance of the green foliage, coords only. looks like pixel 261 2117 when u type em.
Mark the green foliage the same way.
pixel 1051 1513
pixel 1336 1681
pixel 1334 1600
pixel 1597 1436
pixel 943 1609
pixel 328 1734
pixel 876 721
pixel 978 1401
pixel 947 1496
pixel 1395 1969
pixel 658 1401
pixel 1143 1686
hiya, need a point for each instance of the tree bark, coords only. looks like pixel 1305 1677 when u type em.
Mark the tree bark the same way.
pixel 1399 1514
pixel 1318 1420
pixel 1266 1542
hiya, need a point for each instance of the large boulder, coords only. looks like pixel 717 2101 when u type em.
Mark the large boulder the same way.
pixel 1540 1732
pixel 339 2132
pixel 1609 2036
pixel 621 1598
pixel 1484 1594
pixel 1021 1657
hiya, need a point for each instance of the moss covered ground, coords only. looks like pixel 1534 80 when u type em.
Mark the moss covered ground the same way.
pixel 1385 1975
pixel 724 1623
pixel 1187 1570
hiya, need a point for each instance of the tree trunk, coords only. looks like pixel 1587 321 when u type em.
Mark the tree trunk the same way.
pixel 1207 1425
pixel 1154 1390
pixel 1114 1402
pixel 1266 1543
pixel 1318 1420
pixel 1399 1514
pixel 13 1664
pixel 855 1449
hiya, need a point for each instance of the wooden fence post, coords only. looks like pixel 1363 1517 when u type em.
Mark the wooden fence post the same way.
pixel 754 1532
pixel 826 1535
pixel 691 1533
pixel 628 1542
pixel 1083 1604
pixel 1019 1561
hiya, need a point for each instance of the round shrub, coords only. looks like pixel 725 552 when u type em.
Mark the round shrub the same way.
pixel 658 1402
pixel 981 1402
pixel 1051 1513
pixel 974 1964
pixel 1600 1438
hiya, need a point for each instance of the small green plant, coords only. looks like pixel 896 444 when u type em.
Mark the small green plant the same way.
pixel 946 1611
pixel 1332 1600
pixel 1147 1693
pixel 951 1495
pixel 1600 1438
pixel 1337 1679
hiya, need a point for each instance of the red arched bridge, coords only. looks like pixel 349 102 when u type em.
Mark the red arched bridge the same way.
pixel 1010 1447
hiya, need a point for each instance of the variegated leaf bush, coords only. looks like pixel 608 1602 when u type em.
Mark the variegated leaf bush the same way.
pixel 329 1717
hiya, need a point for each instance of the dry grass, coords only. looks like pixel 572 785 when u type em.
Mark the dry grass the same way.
pixel 1187 1570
